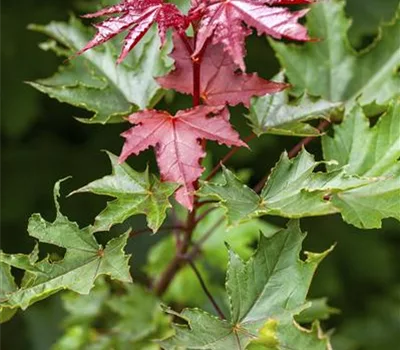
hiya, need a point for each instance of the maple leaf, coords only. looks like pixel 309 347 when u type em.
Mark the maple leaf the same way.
pixel 220 82
pixel 176 140
pixel 223 23
pixel 137 16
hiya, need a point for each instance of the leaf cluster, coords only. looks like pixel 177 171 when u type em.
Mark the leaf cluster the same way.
pixel 213 218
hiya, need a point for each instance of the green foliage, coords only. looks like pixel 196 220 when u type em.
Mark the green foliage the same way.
pixel 377 327
pixel 366 18
pixel 213 255
pixel 333 70
pixel 93 81
pixel 362 185
pixel 128 318
pixel 318 310
pixel 271 285
pixel 7 286
pixel 83 262
pixel 266 297
pixel 274 114
pixel 135 193
pixel 368 152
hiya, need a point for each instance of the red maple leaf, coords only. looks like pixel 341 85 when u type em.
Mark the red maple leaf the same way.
pixel 222 22
pixel 177 142
pixel 220 80
pixel 137 16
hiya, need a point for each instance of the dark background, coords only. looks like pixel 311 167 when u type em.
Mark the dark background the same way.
pixel 41 142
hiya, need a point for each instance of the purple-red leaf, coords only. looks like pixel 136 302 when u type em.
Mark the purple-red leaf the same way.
pixel 220 80
pixel 223 22
pixel 177 142
pixel 137 16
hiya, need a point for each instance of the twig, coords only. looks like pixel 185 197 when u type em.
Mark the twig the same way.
pixel 304 142
pixel 294 151
pixel 183 244
pixel 202 216
pixel 206 202
pixel 229 155
pixel 186 42
pixel 135 233
pixel 205 289
pixel 176 263
pixel 197 245
pixel 182 256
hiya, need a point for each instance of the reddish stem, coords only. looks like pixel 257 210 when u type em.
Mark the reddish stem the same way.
pixel 304 142
pixel 184 244
pixel 294 151
pixel 228 156
pixel 206 291
pixel 202 216
pixel 135 233
pixel 196 82
pixel 178 261
pixel 186 42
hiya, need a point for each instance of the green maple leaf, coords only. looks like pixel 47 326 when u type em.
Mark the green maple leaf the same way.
pixel 128 319
pixel 362 182
pixel 135 193
pixel 270 287
pixel 293 190
pixel 94 82
pixel 83 262
pixel 273 337
pixel 367 18
pixel 274 114
pixel 213 254
pixel 333 70
pixel 372 152
pixel 7 286
pixel 318 310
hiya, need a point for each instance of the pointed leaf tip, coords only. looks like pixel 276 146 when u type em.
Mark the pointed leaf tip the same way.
pixel 175 138
pixel 134 193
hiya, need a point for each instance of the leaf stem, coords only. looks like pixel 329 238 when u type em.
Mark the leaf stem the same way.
pixel 294 151
pixel 135 233
pixel 202 216
pixel 183 245
pixel 197 245
pixel 196 81
pixel 205 289
pixel 228 156
pixel 186 42
pixel 304 142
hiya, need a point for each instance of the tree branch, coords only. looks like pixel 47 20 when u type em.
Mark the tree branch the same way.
pixel 294 151
pixel 228 156
pixel 205 289
pixel 135 233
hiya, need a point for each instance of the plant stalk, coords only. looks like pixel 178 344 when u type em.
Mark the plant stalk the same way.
pixel 294 151
pixel 183 245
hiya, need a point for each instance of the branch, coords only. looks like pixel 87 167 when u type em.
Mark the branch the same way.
pixel 135 233
pixel 228 156
pixel 177 262
pixel 183 245
pixel 294 151
pixel 202 216
pixel 186 42
pixel 182 256
pixel 304 142
pixel 197 246
pixel 205 289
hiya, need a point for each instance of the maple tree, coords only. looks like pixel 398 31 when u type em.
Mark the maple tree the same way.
pixel 266 288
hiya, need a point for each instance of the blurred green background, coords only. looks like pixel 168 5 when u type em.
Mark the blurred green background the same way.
pixel 41 142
